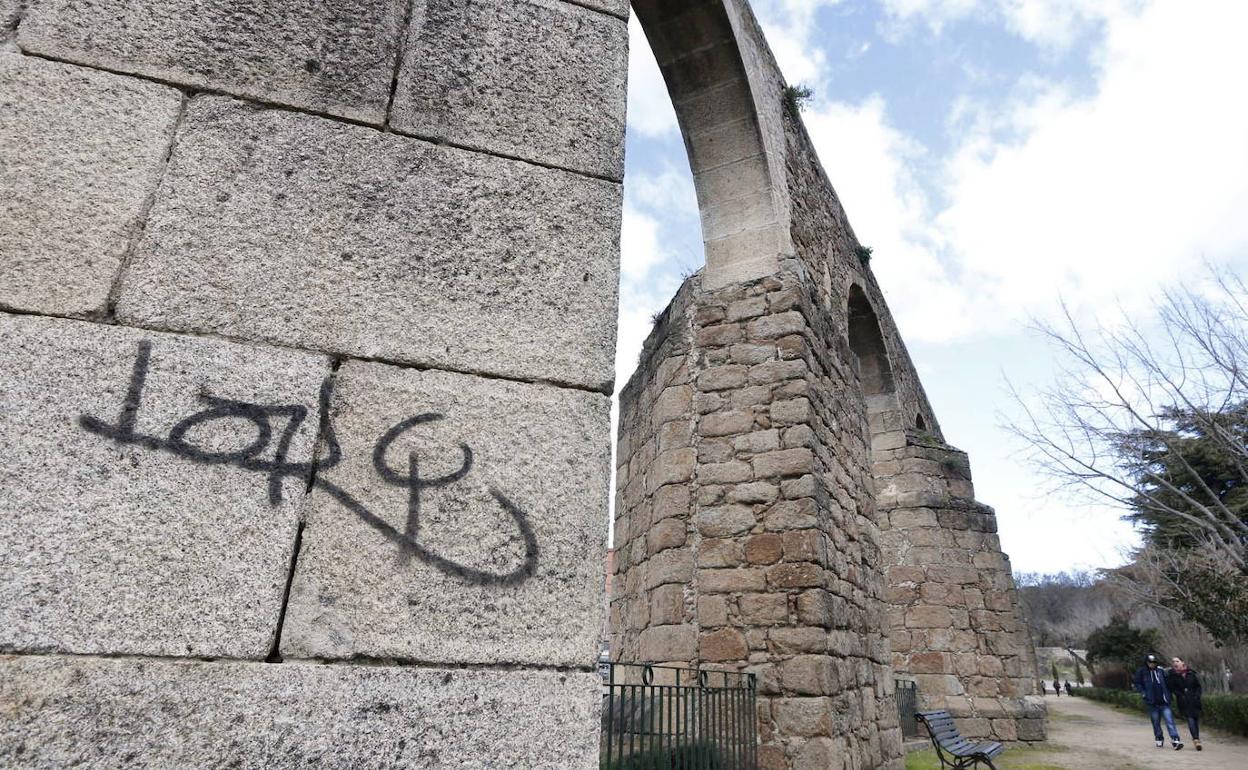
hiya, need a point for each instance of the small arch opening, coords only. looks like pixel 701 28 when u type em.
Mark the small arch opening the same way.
pixel 867 342
pixel 919 422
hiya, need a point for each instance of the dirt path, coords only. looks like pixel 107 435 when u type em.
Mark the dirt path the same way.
pixel 1094 736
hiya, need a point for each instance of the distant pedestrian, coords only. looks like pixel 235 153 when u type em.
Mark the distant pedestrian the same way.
pixel 1057 688
pixel 1069 690
pixel 1150 683
pixel 1185 687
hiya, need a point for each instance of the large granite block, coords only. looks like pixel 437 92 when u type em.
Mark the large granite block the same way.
pixel 130 713
pixel 294 229
pixel 140 514
pixel 542 80
pixel 331 56
pixel 613 7
pixel 80 153
pixel 463 524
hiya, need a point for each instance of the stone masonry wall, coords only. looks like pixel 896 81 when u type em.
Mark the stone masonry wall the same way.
pixel 745 529
pixel 307 320
pixel 950 535
pixel 955 621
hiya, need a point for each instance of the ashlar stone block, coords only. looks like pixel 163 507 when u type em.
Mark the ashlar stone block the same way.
pixel 293 229
pixel 542 80
pixel 331 56
pixel 613 7
pixel 463 523
pixel 80 153
pixel 127 713
pixel 151 488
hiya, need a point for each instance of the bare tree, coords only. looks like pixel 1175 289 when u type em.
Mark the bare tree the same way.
pixel 1137 415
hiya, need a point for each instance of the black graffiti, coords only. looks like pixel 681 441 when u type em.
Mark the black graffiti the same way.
pixel 278 468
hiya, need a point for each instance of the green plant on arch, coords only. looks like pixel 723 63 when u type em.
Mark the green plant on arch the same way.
pixel 796 97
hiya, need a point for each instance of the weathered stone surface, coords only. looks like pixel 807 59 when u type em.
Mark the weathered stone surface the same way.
pixel 786 462
pixel 361 590
pixel 667 605
pixel 661 644
pixel 763 549
pixel 293 229
pixel 722 645
pixel 613 7
pixel 9 12
pixel 669 533
pixel 724 521
pixel 542 80
pixel 670 566
pixel 336 56
pixel 110 713
pixel 80 152
pixel 133 546
pixel 671 467
pixel 764 609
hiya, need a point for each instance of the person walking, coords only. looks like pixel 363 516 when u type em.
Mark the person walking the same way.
pixel 1150 682
pixel 1057 688
pixel 1185 686
pixel 1068 688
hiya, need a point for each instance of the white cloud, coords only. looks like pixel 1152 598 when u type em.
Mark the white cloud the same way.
pixel 1113 195
pixel 639 244
pixel 872 165
pixel 1053 24
pixel 650 110
pixel 1100 199
pixel 669 192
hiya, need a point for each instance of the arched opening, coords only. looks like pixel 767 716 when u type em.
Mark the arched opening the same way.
pixel 867 342
pixel 716 102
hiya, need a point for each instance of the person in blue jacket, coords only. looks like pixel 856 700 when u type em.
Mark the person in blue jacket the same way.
pixel 1150 682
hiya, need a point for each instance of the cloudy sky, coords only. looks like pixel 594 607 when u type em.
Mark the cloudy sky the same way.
pixel 998 156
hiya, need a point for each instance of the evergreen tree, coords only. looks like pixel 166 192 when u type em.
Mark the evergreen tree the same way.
pixel 1184 467
pixel 1119 643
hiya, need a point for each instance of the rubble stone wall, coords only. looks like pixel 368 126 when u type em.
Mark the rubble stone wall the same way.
pixel 745 529
pixel 926 505
pixel 955 623
pixel 307 323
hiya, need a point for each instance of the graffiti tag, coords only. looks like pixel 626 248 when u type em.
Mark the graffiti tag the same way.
pixel 252 458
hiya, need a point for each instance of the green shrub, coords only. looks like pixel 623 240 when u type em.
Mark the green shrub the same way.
pixel 1228 712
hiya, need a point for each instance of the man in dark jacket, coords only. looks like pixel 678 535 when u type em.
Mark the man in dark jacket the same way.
pixel 1150 682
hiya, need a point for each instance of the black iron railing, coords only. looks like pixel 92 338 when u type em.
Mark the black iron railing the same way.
pixel 666 718
pixel 907 707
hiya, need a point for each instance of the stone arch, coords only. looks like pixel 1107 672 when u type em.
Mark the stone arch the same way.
pixel 725 116
pixel 867 343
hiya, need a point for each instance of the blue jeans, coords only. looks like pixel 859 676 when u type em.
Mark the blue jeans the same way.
pixel 1193 725
pixel 1155 713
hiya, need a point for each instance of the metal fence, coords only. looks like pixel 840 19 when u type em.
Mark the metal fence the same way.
pixel 907 706
pixel 667 718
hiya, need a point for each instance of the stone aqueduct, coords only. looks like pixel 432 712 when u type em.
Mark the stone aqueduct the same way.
pixel 307 317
